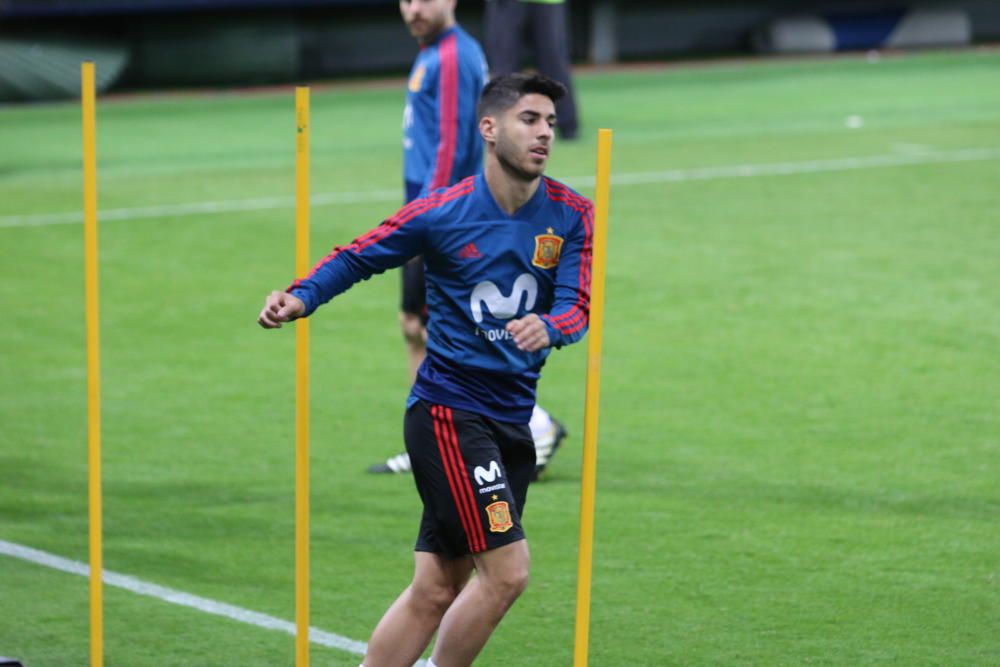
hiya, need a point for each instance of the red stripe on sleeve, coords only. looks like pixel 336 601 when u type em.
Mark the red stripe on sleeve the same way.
pixel 574 319
pixel 400 219
pixel 391 224
pixel 571 326
pixel 447 111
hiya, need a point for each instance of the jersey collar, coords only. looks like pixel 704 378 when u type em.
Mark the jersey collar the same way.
pixel 523 213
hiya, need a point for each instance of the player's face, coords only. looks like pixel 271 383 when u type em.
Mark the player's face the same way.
pixel 427 18
pixel 524 135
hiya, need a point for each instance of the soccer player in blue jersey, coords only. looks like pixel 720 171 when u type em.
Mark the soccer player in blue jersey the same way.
pixel 508 257
pixel 441 146
pixel 441 143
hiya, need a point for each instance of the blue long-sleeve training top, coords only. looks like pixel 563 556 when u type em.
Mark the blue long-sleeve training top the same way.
pixel 441 142
pixel 484 268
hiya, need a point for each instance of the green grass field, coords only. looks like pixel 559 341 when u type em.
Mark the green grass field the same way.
pixel 800 424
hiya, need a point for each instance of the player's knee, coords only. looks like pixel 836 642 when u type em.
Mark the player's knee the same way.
pixel 412 328
pixel 435 598
pixel 508 585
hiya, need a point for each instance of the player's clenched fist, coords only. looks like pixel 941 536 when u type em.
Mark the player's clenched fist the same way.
pixel 280 307
pixel 530 334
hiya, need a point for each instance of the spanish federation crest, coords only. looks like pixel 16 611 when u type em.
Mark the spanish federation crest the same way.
pixel 417 79
pixel 499 514
pixel 547 249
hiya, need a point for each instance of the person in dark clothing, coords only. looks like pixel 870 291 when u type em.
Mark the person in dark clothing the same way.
pixel 511 25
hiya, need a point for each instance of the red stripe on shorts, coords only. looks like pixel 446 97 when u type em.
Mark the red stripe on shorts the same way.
pixel 465 482
pixel 442 435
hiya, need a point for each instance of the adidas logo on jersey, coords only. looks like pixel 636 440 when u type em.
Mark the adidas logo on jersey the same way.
pixel 470 251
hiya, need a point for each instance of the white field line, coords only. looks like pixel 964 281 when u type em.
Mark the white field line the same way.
pixel 636 178
pixel 796 168
pixel 198 208
pixel 634 136
pixel 183 599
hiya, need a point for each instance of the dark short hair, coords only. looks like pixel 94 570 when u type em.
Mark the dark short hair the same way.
pixel 503 92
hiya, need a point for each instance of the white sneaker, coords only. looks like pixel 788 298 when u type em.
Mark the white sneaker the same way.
pixel 398 464
pixel 546 446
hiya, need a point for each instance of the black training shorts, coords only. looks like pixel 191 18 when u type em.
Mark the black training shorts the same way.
pixel 472 473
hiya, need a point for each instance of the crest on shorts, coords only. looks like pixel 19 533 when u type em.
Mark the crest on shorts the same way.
pixel 499 514
pixel 417 79
pixel 547 249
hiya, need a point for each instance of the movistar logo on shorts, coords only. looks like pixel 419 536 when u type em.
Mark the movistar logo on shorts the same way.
pixel 484 475
pixel 500 306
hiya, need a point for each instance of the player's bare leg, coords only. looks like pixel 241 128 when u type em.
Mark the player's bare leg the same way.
pixel 415 335
pixel 409 624
pixel 501 576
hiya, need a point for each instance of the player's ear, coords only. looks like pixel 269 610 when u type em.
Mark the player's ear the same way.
pixel 488 128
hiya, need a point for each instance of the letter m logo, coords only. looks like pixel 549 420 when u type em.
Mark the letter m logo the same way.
pixel 484 475
pixel 503 307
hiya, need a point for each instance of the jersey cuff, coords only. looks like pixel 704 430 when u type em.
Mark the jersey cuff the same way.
pixel 555 336
pixel 305 295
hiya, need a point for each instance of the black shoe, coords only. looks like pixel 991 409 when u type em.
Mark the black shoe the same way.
pixel 558 437
pixel 394 465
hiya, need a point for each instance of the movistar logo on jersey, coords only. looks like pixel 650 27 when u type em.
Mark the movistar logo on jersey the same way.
pixel 484 475
pixel 500 306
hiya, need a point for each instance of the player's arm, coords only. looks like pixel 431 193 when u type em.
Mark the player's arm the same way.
pixel 389 245
pixel 567 320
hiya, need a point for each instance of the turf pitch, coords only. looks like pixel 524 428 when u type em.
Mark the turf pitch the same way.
pixel 799 427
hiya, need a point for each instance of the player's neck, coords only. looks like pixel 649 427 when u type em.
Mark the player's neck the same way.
pixel 509 191
pixel 430 39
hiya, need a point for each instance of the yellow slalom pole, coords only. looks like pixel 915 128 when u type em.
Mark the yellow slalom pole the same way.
pixel 302 383
pixel 87 96
pixel 589 485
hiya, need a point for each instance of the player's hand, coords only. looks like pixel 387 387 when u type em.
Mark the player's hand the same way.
pixel 280 307
pixel 530 333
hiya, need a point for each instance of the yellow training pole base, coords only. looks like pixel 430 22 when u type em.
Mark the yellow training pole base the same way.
pixel 588 488
pixel 87 98
pixel 302 383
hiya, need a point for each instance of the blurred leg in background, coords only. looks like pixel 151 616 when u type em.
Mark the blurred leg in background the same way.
pixel 540 24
